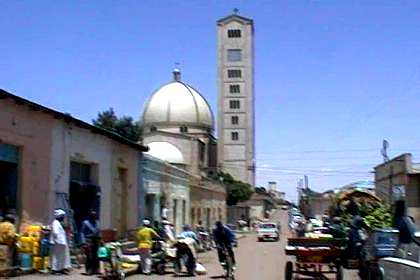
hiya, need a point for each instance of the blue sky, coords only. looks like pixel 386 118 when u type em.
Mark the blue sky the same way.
pixel 333 78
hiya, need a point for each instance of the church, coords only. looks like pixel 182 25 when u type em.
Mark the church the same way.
pixel 179 125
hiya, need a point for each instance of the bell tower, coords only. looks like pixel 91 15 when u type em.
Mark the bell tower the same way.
pixel 236 119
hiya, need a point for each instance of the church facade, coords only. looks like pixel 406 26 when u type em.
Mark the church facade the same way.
pixel 178 126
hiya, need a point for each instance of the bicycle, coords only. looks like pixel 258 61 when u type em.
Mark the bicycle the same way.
pixel 227 264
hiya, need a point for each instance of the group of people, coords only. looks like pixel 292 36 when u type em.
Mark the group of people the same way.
pixel 90 242
pixel 222 236
pixel 60 251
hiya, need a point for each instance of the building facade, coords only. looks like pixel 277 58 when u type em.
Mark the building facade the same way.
pixel 236 113
pixel 51 160
pixel 399 178
pixel 164 185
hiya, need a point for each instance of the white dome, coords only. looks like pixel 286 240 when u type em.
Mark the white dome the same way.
pixel 166 151
pixel 177 104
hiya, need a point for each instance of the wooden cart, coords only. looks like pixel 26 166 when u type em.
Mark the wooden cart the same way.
pixel 315 257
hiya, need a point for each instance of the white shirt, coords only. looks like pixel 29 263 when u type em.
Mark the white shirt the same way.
pixel 58 235
pixel 165 213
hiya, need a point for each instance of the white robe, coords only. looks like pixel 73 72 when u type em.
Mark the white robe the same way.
pixel 60 252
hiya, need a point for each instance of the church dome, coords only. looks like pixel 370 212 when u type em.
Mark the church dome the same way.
pixel 165 151
pixel 178 104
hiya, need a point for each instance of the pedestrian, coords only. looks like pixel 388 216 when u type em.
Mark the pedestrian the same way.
pixel 406 229
pixel 90 237
pixel 60 252
pixel 145 237
pixel 168 231
pixel 300 229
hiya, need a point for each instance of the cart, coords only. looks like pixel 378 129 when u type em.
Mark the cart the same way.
pixel 315 257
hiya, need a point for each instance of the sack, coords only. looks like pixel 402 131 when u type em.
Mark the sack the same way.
pixel 200 269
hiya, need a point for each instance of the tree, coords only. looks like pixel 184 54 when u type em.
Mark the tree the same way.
pixel 237 190
pixel 124 126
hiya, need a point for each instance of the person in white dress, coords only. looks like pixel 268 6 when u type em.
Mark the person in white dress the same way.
pixel 60 252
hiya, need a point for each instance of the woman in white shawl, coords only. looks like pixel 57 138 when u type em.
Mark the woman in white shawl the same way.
pixel 60 253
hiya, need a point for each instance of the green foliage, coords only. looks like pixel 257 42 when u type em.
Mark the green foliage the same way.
pixel 375 215
pixel 237 191
pixel 378 216
pixel 124 126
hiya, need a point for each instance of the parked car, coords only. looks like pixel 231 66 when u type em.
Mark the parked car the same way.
pixel 268 231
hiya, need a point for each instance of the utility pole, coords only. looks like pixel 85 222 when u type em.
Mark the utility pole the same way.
pixel 384 152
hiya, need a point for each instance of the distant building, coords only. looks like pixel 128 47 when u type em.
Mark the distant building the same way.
pixel 316 204
pixel 400 178
pixel 236 116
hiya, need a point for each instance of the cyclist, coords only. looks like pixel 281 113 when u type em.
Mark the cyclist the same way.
pixel 224 237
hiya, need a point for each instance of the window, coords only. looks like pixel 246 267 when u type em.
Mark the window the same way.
pixel 184 211
pixel 202 151
pixel 234 89
pixel 234 33
pixel 234 73
pixel 153 128
pixel 234 119
pixel 235 136
pixel 183 129
pixel 234 104
pixel 234 55
pixel 80 172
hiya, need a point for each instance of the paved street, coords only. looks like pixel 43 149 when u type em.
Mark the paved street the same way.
pixel 256 260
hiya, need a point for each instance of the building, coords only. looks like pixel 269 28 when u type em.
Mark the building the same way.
pixel 162 184
pixel 400 178
pixel 260 204
pixel 178 127
pixel 317 204
pixel 236 118
pixel 50 160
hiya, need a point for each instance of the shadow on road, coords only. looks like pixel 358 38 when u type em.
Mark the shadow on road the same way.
pixel 218 277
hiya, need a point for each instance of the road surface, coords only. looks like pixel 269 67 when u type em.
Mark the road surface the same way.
pixel 255 260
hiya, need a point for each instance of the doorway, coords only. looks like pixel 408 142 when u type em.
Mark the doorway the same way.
pixel 9 159
pixel 84 196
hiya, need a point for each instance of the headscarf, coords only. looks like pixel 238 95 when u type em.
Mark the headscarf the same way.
pixel 59 213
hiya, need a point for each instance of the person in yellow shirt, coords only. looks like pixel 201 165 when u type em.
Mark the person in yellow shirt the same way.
pixel 145 238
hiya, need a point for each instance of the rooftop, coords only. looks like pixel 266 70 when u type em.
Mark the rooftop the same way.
pixel 68 118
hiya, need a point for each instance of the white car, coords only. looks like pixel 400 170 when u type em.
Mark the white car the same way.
pixel 268 231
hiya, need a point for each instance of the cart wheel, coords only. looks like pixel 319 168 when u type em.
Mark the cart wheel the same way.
pixel 339 275
pixel 289 271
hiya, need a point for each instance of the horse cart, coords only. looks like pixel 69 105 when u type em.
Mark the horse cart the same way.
pixel 315 257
